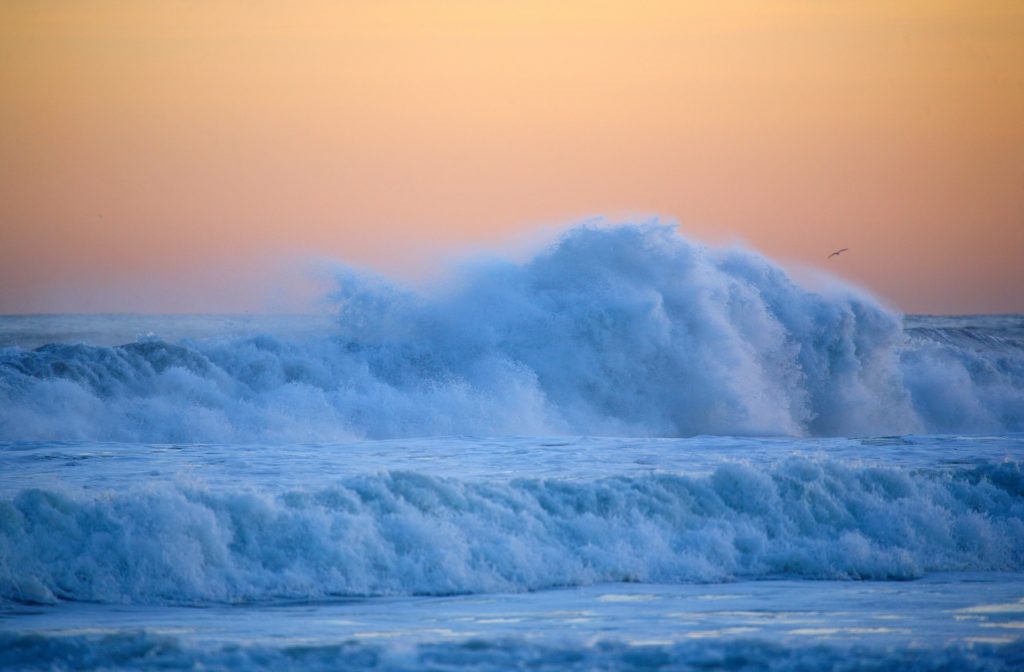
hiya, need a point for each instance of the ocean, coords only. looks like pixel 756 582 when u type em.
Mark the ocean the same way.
pixel 627 452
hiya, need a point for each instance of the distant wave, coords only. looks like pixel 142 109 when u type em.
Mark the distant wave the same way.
pixel 405 533
pixel 631 330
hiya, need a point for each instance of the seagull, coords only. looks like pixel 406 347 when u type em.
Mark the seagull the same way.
pixel 838 252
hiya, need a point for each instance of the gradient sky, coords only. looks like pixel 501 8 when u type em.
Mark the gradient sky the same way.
pixel 178 156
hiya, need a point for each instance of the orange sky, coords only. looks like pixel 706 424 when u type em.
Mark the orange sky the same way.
pixel 170 156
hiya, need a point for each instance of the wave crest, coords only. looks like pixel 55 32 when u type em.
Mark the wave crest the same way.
pixel 631 330
pixel 407 533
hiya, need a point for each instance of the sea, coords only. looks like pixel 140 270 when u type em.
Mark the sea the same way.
pixel 628 451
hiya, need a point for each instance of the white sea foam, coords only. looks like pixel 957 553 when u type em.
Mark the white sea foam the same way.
pixel 631 330
pixel 404 533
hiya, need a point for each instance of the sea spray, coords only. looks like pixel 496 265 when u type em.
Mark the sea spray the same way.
pixel 628 331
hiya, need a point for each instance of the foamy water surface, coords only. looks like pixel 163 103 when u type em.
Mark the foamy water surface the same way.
pixel 630 452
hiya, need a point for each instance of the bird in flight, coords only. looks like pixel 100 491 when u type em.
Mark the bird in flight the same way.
pixel 838 252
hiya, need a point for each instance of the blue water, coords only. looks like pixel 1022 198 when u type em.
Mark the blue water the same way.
pixel 629 452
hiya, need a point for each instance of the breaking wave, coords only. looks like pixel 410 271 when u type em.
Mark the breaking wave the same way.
pixel 631 330
pixel 403 533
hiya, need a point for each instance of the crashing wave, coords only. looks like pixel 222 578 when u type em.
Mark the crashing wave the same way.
pixel 406 533
pixel 631 330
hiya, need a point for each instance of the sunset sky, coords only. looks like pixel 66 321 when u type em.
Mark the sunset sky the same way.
pixel 187 156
